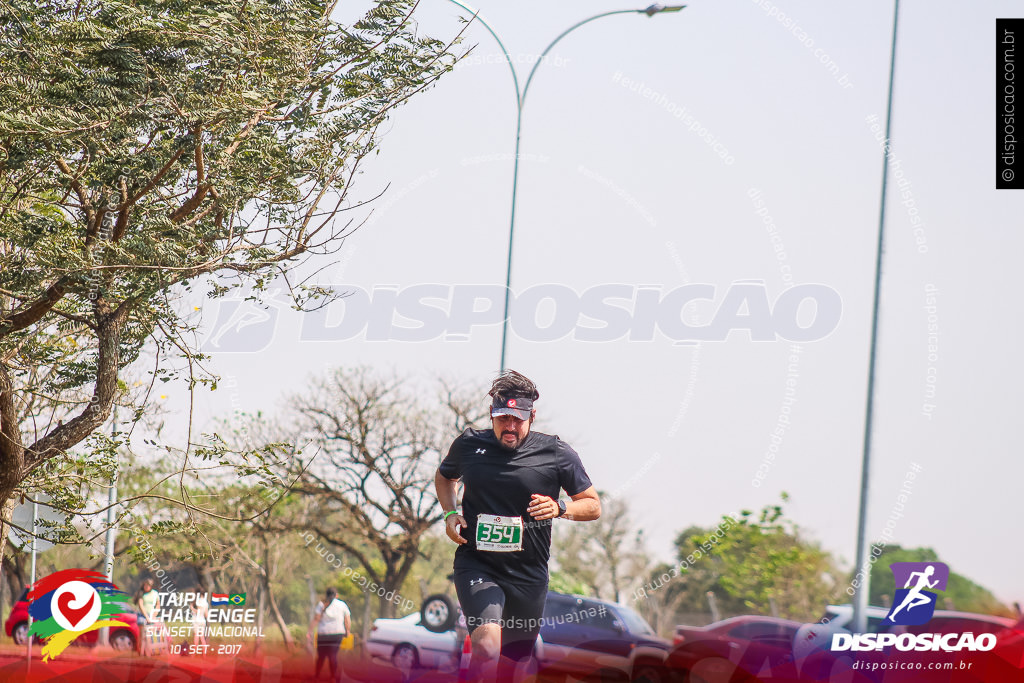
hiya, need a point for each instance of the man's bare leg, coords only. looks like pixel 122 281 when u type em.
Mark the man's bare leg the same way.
pixel 483 664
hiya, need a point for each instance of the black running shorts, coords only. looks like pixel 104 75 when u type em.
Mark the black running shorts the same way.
pixel 517 608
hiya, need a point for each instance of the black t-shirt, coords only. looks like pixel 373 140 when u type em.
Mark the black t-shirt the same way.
pixel 500 482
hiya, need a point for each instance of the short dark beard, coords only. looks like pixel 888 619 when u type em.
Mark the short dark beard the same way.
pixel 513 447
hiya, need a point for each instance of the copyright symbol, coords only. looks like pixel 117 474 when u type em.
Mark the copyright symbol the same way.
pixel 1007 174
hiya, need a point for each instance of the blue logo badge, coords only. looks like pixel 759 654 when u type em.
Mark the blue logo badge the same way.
pixel 914 603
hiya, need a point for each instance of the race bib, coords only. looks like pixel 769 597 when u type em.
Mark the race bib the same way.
pixel 499 534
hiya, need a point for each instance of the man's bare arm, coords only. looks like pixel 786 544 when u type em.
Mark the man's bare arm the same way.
pixel 445 489
pixel 584 506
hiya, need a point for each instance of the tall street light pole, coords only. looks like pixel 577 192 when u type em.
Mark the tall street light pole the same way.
pixel 520 102
pixel 863 564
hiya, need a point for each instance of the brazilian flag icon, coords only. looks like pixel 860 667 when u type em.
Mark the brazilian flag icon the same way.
pixel 237 599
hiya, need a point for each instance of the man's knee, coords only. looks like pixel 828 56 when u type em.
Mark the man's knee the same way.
pixel 519 648
pixel 486 640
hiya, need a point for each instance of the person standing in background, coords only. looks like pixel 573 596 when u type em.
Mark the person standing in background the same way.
pixel 147 601
pixel 331 621
pixel 200 610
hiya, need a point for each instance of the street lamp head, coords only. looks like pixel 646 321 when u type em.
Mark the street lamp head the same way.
pixel 658 8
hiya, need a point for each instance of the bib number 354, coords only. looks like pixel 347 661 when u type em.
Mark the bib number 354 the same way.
pixel 499 534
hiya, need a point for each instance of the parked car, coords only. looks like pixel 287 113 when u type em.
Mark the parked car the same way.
pixel 743 645
pixel 943 621
pixel 586 636
pixel 121 638
pixel 743 628
pixel 408 644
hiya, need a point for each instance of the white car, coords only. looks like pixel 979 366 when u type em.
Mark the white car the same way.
pixel 943 621
pixel 408 645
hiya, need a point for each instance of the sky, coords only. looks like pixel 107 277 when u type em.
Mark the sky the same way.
pixel 735 148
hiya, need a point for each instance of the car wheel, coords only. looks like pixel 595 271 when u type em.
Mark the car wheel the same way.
pixel 647 672
pixel 603 675
pixel 122 641
pixel 20 633
pixel 404 657
pixel 437 614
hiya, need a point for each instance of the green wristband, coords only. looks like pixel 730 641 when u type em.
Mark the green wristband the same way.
pixel 449 514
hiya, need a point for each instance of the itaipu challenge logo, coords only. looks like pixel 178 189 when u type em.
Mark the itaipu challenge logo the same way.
pixel 70 603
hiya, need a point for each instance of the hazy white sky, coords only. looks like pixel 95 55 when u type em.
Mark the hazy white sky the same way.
pixel 616 188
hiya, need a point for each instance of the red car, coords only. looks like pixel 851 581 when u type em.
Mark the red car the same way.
pixel 1005 662
pixel 734 649
pixel 121 638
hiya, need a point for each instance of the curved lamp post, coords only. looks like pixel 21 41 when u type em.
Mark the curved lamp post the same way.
pixel 520 102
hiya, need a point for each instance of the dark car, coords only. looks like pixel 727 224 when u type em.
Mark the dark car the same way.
pixel 732 649
pixel 121 638
pixel 588 636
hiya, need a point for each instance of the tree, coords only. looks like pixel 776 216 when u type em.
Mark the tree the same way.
pixel 214 551
pixel 377 445
pixel 676 590
pixel 600 554
pixel 754 564
pixel 764 562
pixel 236 554
pixel 158 145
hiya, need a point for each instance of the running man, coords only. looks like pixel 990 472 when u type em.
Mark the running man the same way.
pixel 914 597
pixel 512 480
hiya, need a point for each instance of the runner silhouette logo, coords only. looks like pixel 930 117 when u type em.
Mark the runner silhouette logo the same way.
pixel 914 603
pixel 242 324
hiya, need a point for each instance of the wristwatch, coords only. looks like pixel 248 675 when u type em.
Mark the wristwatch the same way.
pixel 561 508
